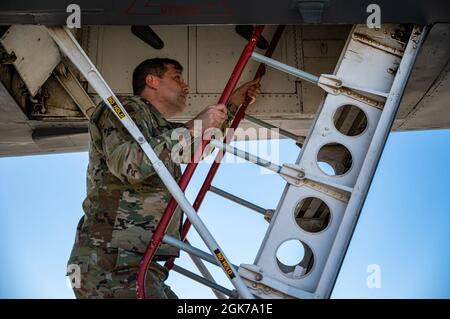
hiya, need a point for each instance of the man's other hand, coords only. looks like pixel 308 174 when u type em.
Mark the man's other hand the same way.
pixel 212 116
pixel 252 89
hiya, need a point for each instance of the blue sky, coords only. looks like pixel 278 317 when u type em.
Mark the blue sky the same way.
pixel 404 226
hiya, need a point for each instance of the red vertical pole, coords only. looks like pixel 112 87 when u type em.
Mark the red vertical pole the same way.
pixel 190 169
pixel 237 119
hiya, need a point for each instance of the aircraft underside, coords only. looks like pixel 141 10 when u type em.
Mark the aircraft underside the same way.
pixel 46 104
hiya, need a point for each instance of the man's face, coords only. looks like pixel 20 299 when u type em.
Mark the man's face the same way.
pixel 172 90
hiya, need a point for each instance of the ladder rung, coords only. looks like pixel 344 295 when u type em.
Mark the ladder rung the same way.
pixel 271 127
pixel 191 250
pixel 291 173
pixel 337 193
pixel 328 82
pixel 247 156
pixel 238 200
pixel 204 272
pixel 285 68
pixel 202 280
pixel 337 186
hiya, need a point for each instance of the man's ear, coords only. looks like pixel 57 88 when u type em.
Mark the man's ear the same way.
pixel 152 81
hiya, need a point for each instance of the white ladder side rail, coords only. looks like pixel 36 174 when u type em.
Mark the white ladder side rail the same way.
pixel 368 66
pixel 370 164
pixel 68 44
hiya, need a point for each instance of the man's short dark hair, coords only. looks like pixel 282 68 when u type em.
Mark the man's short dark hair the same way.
pixel 155 66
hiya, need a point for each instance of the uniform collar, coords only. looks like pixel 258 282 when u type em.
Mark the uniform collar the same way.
pixel 159 117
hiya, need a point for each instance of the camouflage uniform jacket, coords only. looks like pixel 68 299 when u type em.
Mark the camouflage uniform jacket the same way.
pixel 125 197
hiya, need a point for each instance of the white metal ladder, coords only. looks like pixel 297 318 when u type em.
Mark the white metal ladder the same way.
pixel 68 44
pixel 319 208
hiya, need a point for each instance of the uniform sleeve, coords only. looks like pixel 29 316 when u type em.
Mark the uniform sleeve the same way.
pixel 183 148
pixel 124 157
pixel 232 110
pixel 183 144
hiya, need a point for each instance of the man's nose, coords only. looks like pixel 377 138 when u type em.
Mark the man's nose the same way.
pixel 185 88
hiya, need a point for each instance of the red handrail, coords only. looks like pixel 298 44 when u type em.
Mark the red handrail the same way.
pixel 237 119
pixel 190 169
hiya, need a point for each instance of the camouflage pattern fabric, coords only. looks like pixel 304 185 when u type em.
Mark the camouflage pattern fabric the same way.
pixel 125 201
pixel 112 273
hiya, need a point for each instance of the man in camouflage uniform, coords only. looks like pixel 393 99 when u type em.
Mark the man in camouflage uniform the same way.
pixel 125 197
